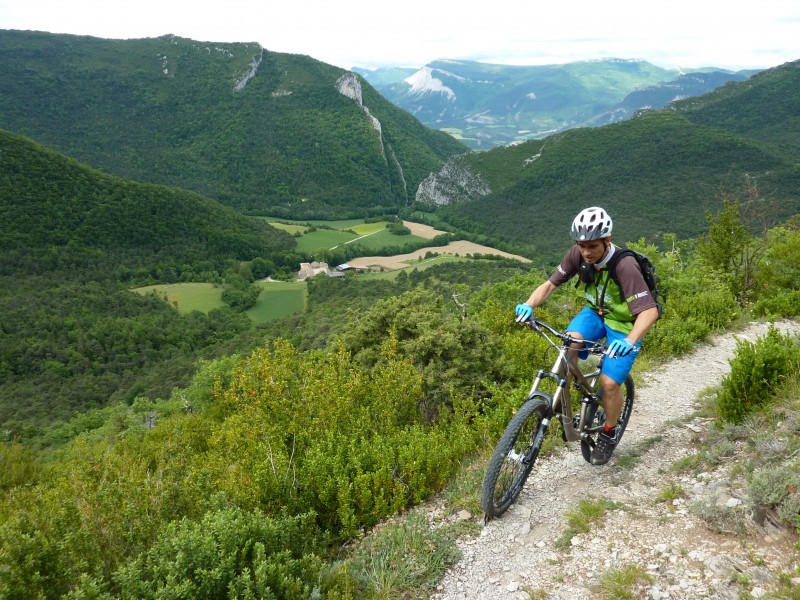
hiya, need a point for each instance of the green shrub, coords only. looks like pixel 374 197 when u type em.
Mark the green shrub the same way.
pixel 782 304
pixel 18 465
pixel 228 554
pixel 777 487
pixel 312 431
pixel 756 371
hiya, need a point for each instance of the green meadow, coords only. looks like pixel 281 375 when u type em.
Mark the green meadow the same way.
pixel 281 299
pixel 187 297
pixel 370 236
pixel 293 229
pixel 322 239
pixel 276 300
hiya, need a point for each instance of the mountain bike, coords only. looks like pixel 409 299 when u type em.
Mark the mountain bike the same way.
pixel 519 446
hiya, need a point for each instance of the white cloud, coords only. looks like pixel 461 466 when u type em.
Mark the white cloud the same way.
pixel 687 33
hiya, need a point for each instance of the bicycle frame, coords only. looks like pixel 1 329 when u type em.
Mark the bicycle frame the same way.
pixel 585 383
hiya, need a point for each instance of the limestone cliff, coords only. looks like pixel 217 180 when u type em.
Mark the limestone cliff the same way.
pixel 456 182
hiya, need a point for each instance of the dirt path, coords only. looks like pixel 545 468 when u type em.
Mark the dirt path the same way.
pixel 516 556
pixel 401 261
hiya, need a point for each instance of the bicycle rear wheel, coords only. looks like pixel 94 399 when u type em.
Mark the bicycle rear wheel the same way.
pixel 597 418
pixel 514 456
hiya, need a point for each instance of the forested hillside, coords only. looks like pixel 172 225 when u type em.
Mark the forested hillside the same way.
pixel 146 453
pixel 57 213
pixel 764 108
pixel 656 173
pixel 265 132
pixel 72 241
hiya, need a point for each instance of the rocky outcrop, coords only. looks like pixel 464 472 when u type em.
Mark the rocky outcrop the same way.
pixel 350 86
pixel 256 62
pixel 456 182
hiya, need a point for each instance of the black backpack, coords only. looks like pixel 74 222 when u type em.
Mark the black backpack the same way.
pixel 586 272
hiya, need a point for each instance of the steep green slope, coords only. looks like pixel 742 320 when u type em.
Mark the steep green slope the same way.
pixel 72 335
pixel 262 131
pixel 55 210
pixel 656 173
pixel 766 108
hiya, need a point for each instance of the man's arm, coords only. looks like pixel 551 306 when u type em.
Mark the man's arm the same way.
pixel 541 293
pixel 644 321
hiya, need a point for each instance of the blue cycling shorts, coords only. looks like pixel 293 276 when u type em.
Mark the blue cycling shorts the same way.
pixel 591 327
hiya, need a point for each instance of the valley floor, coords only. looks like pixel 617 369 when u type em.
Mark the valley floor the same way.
pixel 401 261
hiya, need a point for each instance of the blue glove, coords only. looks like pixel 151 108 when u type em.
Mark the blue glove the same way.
pixel 620 347
pixel 523 312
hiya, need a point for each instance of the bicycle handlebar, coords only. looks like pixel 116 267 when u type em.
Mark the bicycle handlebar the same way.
pixel 537 325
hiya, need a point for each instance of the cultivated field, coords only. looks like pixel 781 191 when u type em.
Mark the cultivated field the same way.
pixel 401 261
pixel 281 299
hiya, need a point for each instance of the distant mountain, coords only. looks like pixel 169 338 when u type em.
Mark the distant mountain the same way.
pixel 488 105
pixel 656 173
pixel 265 132
pixel 56 213
pixel 661 94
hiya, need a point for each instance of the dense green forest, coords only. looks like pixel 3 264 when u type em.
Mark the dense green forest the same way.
pixel 58 214
pixel 73 241
pixel 266 132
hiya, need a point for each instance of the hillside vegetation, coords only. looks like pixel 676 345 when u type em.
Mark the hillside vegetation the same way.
pixel 146 453
pixel 266 132
pixel 656 173
pixel 72 241
pixel 58 213
pixel 258 477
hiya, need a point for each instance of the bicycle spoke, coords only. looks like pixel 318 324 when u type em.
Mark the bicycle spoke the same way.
pixel 513 458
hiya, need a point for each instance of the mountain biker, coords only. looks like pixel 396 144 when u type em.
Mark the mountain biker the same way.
pixel 622 313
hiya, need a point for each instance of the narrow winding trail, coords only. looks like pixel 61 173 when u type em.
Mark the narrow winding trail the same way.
pixel 516 556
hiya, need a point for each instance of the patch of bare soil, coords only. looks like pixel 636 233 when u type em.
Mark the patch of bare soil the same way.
pixel 401 261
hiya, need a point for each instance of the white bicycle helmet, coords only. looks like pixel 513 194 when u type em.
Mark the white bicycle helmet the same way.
pixel 591 224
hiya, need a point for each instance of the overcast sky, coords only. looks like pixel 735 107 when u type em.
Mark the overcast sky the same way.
pixel 673 33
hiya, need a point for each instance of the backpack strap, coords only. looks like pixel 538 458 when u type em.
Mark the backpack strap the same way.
pixel 612 264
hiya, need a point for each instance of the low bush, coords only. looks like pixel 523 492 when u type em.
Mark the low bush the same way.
pixel 756 372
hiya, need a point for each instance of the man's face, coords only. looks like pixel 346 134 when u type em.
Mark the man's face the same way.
pixel 594 250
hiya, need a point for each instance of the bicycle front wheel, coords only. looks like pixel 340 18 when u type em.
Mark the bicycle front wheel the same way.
pixel 514 456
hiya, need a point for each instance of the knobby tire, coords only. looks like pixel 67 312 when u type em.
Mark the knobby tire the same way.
pixel 506 475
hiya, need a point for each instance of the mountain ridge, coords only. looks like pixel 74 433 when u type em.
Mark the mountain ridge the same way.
pixel 488 105
pixel 659 172
pixel 262 131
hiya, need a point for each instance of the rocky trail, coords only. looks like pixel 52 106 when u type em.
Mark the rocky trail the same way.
pixel 517 555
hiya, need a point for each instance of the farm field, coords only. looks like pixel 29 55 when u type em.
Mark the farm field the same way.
pixel 458 248
pixel 373 237
pixel 187 297
pixel 282 299
pixel 416 265
pixel 277 299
